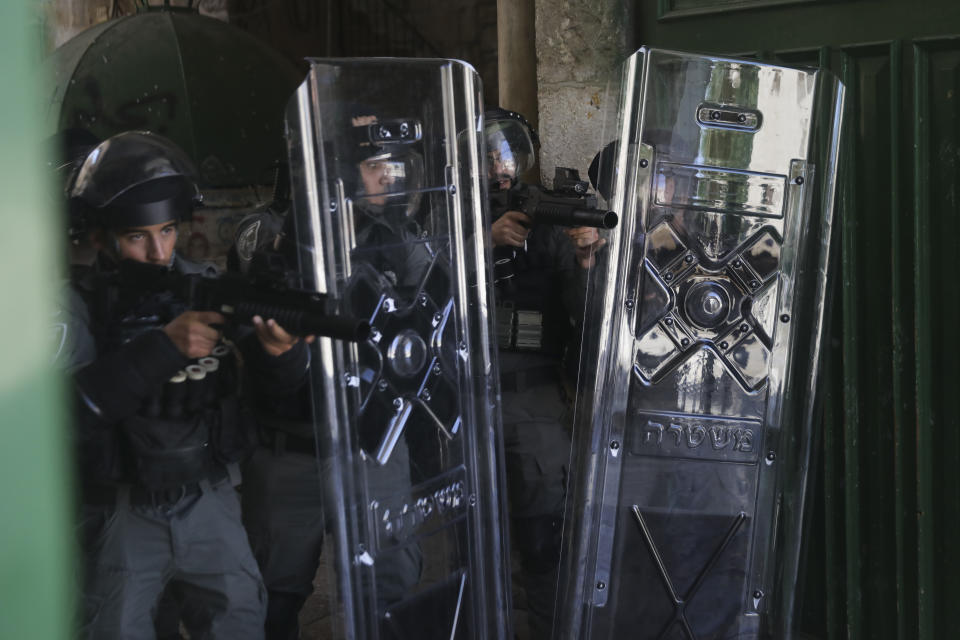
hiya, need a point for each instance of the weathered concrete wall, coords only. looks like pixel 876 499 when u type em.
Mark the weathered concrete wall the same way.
pixel 517 57
pixel 66 18
pixel 580 46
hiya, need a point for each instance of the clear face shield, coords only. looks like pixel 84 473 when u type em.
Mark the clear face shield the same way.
pixel 509 152
pixel 390 182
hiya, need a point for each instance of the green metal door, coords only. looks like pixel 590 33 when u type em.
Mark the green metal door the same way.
pixel 881 561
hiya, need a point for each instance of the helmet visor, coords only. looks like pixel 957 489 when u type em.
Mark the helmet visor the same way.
pixel 509 151
pixel 393 178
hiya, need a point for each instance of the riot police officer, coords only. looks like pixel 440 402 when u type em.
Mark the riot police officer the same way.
pixel 540 281
pixel 283 500
pixel 160 428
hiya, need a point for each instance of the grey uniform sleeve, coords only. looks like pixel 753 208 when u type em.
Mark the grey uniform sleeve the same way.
pixel 115 384
pixel 274 375
pixel 73 345
pixel 109 386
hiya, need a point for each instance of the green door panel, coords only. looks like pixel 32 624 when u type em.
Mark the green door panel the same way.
pixel 36 569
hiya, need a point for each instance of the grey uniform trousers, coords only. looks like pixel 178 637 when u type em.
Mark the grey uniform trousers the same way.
pixel 286 507
pixel 133 551
pixel 536 445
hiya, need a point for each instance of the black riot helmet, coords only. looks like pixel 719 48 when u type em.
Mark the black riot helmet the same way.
pixel 136 179
pixel 383 170
pixel 511 146
pixel 67 150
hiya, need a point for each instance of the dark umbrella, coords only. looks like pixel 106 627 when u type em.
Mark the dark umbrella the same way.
pixel 213 89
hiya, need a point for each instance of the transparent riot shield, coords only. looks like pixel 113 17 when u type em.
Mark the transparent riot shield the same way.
pixel 389 220
pixel 692 462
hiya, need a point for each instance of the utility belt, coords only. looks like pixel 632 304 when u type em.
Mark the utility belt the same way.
pixel 520 381
pixel 281 442
pixel 139 495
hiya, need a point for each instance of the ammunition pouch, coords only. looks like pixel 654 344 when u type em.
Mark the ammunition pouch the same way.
pixel 519 329
pixel 169 453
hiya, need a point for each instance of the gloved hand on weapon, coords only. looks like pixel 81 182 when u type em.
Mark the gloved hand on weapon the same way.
pixel 191 332
pixel 586 242
pixel 274 339
pixel 194 333
pixel 512 228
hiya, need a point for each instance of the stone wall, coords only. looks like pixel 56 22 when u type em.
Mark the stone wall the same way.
pixel 63 19
pixel 580 47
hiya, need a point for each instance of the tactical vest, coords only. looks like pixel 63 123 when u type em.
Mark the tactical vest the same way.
pixel 190 425
pixel 290 415
pixel 530 313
